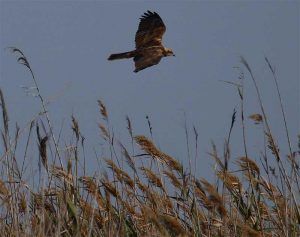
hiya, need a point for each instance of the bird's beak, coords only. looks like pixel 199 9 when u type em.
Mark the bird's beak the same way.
pixel 173 55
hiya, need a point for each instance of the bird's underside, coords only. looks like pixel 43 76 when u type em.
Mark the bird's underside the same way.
pixel 142 58
pixel 148 40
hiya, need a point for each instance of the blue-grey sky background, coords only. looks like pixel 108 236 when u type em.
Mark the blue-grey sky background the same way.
pixel 67 44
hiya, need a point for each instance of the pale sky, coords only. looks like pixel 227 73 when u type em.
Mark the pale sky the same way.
pixel 68 42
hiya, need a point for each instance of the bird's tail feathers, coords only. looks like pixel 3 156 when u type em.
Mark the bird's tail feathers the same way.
pixel 115 56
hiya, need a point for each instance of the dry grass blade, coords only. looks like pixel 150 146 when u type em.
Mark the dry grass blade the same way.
pixel 4 114
pixel 202 198
pixel 148 146
pixel 174 180
pixel 89 212
pixel 128 158
pixel 272 192
pixel 272 145
pixel 153 197
pixel 173 225
pixel 248 164
pixel 130 209
pixel 173 163
pixel 4 192
pixel 91 186
pixel 214 197
pixel 23 60
pixel 248 231
pixel 40 202
pixel 231 182
pixel 104 132
pixel 109 187
pixel 129 127
pixel 264 212
pixel 215 156
pixel 153 178
pixel 75 127
pixel 43 151
pixel 103 110
pixel 141 186
pixel 120 174
pixel 245 63
pixel 22 205
pixel 63 175
pixel 233 119
pixel 257 118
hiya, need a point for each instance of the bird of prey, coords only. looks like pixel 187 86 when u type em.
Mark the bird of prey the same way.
pixel 148 43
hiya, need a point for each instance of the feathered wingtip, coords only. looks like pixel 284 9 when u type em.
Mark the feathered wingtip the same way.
pixel 149 14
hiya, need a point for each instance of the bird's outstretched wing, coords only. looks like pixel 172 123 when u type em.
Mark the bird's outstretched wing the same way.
pixel 150 31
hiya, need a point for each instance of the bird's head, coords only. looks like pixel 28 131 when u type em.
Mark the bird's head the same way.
pixel 168 52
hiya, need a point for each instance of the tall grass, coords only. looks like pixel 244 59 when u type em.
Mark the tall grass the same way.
pixel 144 191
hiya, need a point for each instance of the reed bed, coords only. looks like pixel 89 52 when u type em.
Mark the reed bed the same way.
pixel 144 191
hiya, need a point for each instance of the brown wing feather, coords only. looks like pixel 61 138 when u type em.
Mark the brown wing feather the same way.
pixel 147 58
pixel 150 30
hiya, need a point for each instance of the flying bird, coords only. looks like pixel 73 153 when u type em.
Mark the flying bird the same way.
pixel 148 43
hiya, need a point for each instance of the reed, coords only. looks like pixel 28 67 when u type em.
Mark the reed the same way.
pixel 133 197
